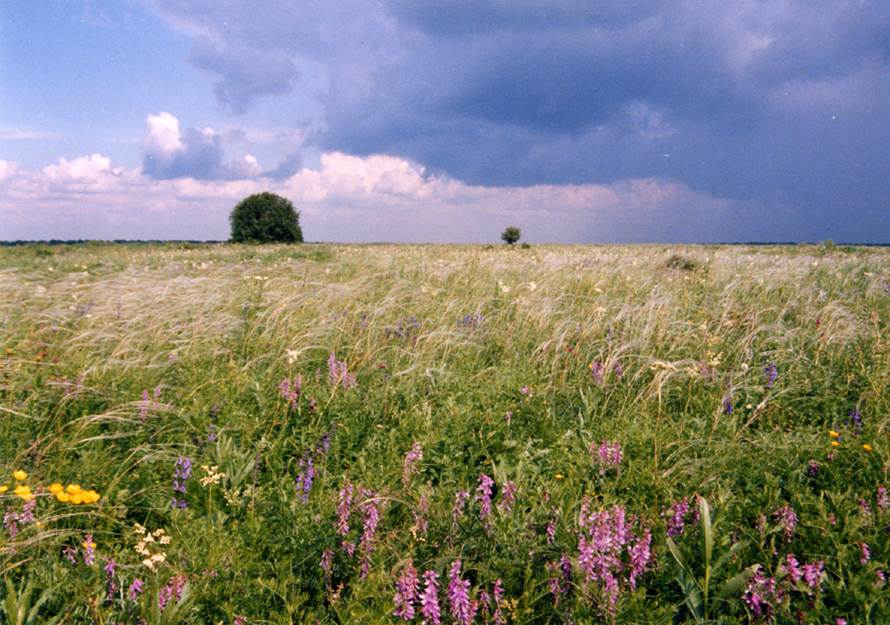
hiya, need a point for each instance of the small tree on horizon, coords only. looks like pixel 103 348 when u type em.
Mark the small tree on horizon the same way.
pixel 511 235
pixel 265 218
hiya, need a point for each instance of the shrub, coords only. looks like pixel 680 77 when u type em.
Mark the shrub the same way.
pixel 265 218
pixel 511 235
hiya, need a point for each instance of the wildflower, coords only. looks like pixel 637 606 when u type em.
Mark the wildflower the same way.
pixel 787 519
pixel 24 492
pixel 867 447
pixel 110 568
pixel 429 600
pixel 484 496
pixel 291 391
pixel 291 355
pixel 508 497
pixel 559 477
pixel 89 550
pixel 19 475
pixel 172 590
pixel 609 454
pixel 727 403
pixel 345 498
pixel 771 372
pixel 421 524
pixel 856 421
pixel 834 434
pixel 812 574
pixel 3 489
pixel 338 372
pixel 460 501
pixel 70 554
pixel 550 531
pixel 63 497
pixel 640 554
pixel 10 523
pixel 212 477
pixel 462 610
pixel 369 530
pixel 55 488
pixel 835 444
pixel 305 478
pixel 412 459
pixel 762 595
pixel 597 372
pixel 526 390
pixel 813 468
pixel 181 473
pixel 882 499
pixel 865 554
pixel 407 587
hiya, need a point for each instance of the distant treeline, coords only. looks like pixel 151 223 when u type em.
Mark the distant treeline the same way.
pixel 197 242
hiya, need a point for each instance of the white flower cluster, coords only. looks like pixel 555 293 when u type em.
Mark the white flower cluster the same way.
pixel 214 476
pixel 149 546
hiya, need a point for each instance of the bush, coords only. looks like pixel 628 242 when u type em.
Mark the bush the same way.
pixel 265 218
pixel 511 235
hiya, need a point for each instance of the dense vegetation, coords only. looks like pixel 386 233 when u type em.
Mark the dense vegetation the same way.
pixel 265 218
pixel 381 434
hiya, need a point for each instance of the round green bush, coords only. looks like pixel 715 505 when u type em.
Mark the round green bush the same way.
pixel 265 218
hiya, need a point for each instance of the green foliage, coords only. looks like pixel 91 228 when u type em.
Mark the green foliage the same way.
pixel 265 218
pixel 511 235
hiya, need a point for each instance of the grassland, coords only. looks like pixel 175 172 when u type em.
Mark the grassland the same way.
pixel 640 434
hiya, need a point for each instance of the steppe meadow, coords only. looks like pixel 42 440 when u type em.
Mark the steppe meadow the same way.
pixel 454 434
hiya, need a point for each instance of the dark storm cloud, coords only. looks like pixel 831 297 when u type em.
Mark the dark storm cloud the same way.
pixel 778 103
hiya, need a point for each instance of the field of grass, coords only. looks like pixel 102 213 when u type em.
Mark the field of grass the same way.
pixel 455 434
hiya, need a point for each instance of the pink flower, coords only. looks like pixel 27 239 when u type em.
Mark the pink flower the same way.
pixel 407 587
pixel 484 496
pixel 345 498
pixel 462 609
pixel 429 600
pixel 412 459
pixel 508 497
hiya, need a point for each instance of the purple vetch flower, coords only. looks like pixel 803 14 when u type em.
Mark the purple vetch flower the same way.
pixel 880 578
pixel 864 507
pixel 787 520
pixel 497 593
pixel 338 372
pixel 640 555
pixel 181 473
pixel 429 600
pixel 812 574
pixel 864 554
pixel 508 497
pixel 10 523
pixel 550 530
pixel 412 459
pixel 369 529
pixel 727 403
pixel 407 588
pixel 70 554
pixel 89 550
pixel 771 372
pixel 172 591
pixel 110 569
pixel 813 468
pixel 856 420
pixel 762 595
pixel 462 609
pixel 484 491
pixel 135 589
pixel 291 391
pixel 460 502
pixel 676 517
pixel 143 409
pixel 792 567
pixel 345 501
pixel 327 563
pixel 608 455
pixel 881 499
pixel 618 370
pixel 305 478
pixel 597 372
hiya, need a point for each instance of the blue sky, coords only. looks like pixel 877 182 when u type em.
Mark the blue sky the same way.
pixel 446 120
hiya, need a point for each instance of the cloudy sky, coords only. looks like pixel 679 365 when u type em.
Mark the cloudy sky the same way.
pixel 447 120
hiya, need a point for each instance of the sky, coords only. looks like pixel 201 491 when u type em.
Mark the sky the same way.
pixel 448 120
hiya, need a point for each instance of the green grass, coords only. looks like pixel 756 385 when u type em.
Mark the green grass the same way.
pixel 445 342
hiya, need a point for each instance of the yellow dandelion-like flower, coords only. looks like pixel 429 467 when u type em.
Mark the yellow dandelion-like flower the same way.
pixel 19 475
pixel 867 447
pixel 833 434
pixel 63 496
pixel 91 496
pixel 24 492
pixel 835 444
pixel 89 544
pixel 559 476
pixel 3 489
pixel 76 498
pixel 56 488
pixel 71 489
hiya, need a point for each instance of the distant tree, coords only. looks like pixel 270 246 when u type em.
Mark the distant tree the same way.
pixel 265 218
pixel 511 235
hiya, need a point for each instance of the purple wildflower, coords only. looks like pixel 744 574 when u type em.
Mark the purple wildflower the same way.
pixel 597 372
pixel 856 420
pixel 608 454
pixel 882 500
pixel 792 567
pixel 143 409
pixel 70 554
pixel 865 554
pixel 412 459
pixel 462 609
pixel 618 370
pixel 407 588
pixel 135 589
pixel 291 391
pixel 345 498
pixel 727 403
pixel 460 501
pixel 640 554
pixel 89 550
pixel 110 568
pixel 550 530
pixel 762 595
pixel 771 372
pixel 369 530
pixel 181 473
pixel 508 497
pixel 787 520
pixel 327 563
pixel 429 600
pixel 676 521
pixel 171 591
pixel 10 519
pixel 421 523
pixel 526 390
pixel 812 573
pixel 813 468
pixel 484 497
pixel 497 592
pixel 338 372
pixel 305 478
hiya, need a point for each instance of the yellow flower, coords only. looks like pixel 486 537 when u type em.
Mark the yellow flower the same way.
pixel 62 496
pixel 19 475
pixel 55 488
pixel 867 447
pixel 76 498
pixel 833 434
pixel 835 444
pixel 24 491
pixel 72 489
pixel 90 496
pixel 89 544
pixel 3 489
pixel 559 476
